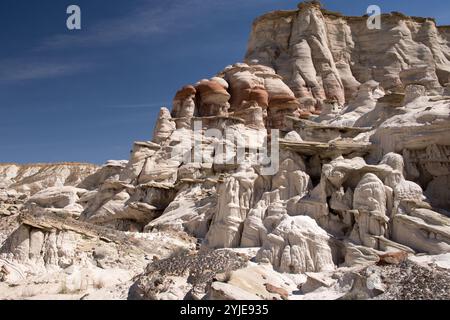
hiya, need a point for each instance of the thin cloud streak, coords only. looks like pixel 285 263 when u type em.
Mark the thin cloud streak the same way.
pixel 22 69
pixel 167 17
pixel 149 20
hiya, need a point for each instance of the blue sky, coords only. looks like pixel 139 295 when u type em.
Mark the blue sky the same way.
pixel 87 95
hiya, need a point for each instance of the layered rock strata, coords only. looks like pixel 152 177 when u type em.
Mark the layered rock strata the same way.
pixel 326 151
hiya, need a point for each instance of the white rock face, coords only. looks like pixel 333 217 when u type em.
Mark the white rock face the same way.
pixel 325 55
pixel 254 282
pixel 363 101
pixel 297 245
pixel 361 173
pixel 423 230
pixel 63 201
pixel 164 126
pixel 370 200
pixel 32 178
pixel 191 210
pixel 49 257
pixel 224 291
pixel 234 199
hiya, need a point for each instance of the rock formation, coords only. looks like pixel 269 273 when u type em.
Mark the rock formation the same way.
pixel 325 55
pixel 325 153
pixel 32 178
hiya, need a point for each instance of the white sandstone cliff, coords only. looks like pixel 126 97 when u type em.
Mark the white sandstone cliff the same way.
pixel 362 171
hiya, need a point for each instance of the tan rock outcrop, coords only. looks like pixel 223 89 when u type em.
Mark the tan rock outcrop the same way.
pixel 164 126
pixel 33 178
pixel 184 106
pixel 370 201
pixel 297 245
pixel 327 56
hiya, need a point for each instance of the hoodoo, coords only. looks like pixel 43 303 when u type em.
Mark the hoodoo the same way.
pixel 361 190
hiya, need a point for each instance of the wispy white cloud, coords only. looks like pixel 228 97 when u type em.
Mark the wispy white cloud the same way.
pixel 20 69
pixel 150 19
